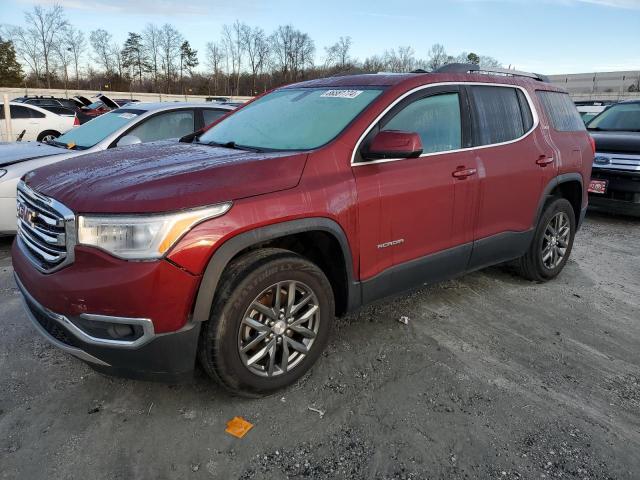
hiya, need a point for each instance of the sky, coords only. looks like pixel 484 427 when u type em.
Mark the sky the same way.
pixel 545 36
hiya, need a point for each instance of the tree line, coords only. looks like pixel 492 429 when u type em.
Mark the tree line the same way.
pixel 50 52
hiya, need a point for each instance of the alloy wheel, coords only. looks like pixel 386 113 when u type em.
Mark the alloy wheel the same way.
pixel 279 328
pixel 556 240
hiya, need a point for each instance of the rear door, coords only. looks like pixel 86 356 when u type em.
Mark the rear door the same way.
pixel 515 163
pixel 27 120
pixel 414 214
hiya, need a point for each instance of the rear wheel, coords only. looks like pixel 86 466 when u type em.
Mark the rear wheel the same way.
pixel 552 242
pixel 269 323
pixel 48 135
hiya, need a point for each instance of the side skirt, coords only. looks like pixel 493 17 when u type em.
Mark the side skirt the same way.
pixel 445 265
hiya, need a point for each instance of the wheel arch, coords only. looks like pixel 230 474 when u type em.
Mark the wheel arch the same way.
pixel 48 131
pixel 567 185
pixel 313 238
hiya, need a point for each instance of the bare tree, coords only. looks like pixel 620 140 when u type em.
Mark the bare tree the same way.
pixel 257 48
pixel 151 42
pixel 233 41
pixel 76 42
pixel 437 57
pixel 374 64
pixel 101 43
pixel 47 26
pixel 215 57
pixel 64 55
pixel 402 61
pixel 337 55
pixel 26 44
pixel 293 51
pixel 169 44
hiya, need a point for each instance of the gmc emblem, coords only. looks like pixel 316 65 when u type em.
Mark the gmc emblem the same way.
pixel 26 215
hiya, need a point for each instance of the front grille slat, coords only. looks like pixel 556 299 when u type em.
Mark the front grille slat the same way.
pixel 46 229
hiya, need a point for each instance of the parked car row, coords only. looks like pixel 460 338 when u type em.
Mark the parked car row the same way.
pixel 240 244
pixel 32 122
pixel 129 125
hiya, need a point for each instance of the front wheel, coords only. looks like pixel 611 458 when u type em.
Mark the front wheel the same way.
pixel 552 242
pixel 269 323
pixel 47 136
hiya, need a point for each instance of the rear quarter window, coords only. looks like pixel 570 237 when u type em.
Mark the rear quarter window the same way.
pixel 561 111
pixel 501 114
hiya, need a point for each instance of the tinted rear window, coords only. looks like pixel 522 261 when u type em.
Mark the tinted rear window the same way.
pixel 561 111
pixel 498 114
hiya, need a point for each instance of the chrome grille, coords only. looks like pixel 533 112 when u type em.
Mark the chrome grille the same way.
pixel 46 230
pixel 617 161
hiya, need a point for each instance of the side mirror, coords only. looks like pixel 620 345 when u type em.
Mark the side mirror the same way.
pixel 394 144
pixel 128 140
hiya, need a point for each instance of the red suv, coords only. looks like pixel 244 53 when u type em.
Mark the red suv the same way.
pixel 241 247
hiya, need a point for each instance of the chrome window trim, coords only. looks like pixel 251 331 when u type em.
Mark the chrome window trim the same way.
pixel 534 113
pixel 69 219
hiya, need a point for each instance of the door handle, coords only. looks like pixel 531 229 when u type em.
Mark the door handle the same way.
pixel 461 173
pixel 543 160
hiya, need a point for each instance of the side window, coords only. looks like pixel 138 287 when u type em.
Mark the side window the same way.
pixel 561 111
pixel 436 119
pixel 497 114
pixel 165 125
pixel 525 109
pixel 36 114
pixel 211 116
pixel 19 112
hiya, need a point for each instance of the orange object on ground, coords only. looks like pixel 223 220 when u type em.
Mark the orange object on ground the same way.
pixel 238 427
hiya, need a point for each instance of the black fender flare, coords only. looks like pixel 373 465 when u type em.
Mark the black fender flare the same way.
pixel 553 183
pixel 231 247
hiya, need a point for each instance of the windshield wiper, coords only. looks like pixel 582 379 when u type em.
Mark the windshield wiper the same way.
pixel 233 145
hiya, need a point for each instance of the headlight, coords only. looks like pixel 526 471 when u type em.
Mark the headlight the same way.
pixel 142 237
pixel 2 173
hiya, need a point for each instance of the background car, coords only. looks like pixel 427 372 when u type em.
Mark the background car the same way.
pixel 589 109
pixel 29 122
pixel 50 100
pixel 615 178
pixel 135 123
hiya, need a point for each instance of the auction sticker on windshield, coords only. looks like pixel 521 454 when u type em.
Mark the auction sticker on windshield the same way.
pixel 341 93
pixel 128 116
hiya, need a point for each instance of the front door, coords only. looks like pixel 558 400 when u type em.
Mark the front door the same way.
pixel 416 214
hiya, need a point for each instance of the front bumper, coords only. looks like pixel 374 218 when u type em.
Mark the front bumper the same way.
pixel 623 191
pixel 130 319
pixel 165 357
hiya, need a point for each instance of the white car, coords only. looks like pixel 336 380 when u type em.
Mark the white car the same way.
pixel 129 125
pixel 30 122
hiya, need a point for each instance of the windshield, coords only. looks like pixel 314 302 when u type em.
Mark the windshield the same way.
pixel 291 119
pixel 87 135
pixel 620 117
pixel 95 105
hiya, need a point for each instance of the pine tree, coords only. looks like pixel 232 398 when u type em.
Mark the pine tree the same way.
pixel 10 69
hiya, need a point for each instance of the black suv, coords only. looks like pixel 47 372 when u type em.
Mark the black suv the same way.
pixel 615 179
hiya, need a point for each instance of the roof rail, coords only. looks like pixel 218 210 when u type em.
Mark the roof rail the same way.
pixel 473 68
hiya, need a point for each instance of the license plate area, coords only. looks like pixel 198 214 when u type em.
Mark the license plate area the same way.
pixel 598 186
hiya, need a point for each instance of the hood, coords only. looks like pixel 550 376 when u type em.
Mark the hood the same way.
pixel 617 142
pixel 108 101
pixel 84 100
pixel 164 176
pixel 16 152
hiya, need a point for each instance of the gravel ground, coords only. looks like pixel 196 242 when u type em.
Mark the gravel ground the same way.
pixel 493 377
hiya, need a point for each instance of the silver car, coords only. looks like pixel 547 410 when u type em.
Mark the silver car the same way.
pixel 128 125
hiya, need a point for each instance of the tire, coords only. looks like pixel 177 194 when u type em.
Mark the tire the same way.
pixel 48 135
pixel 536 264
pixel 258 275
